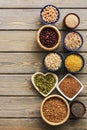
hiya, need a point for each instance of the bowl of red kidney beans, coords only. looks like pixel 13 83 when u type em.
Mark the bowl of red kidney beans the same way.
pixel 48 37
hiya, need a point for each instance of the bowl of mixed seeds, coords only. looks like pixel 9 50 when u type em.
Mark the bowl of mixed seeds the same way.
pixel 73 41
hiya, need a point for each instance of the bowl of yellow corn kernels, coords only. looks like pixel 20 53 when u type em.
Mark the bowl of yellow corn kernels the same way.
pixel 74 62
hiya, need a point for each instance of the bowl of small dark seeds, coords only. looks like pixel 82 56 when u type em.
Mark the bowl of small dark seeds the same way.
pixel 48 37
pixel 78 109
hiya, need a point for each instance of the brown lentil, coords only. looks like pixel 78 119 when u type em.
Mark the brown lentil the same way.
pixel 48 37
pixel 69 86
pixel 54 110
pixel 49 14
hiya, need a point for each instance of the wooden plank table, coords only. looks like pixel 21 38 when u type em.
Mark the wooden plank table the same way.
pixel 20 57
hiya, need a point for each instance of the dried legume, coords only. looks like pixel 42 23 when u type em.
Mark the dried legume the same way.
pixel 53 61
pixel 50 14
pixel 48 37
pixel 69 86
pixel 54 110
pixel 44 83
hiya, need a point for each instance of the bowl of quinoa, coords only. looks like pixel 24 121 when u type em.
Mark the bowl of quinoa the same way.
pixel 73 41
pixel 55 110
pixel 53 61
pixel 74 63
pixel 49 14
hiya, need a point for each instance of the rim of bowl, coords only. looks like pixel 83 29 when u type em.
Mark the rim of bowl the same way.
pixel 38 39
pixel 67 47
pixel 50 22
pixel 81 58
pixel 62 57
pixel 68 110
pixel 66 24
pixel 72 111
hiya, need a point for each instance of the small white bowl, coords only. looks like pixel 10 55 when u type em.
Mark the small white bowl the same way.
pixel 54 75
pixel 70 99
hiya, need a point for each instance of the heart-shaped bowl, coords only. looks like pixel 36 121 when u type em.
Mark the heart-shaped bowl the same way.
pixel 44 85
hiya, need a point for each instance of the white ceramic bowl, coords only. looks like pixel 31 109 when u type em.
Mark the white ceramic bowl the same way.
pixel 54 75
pixel 81 88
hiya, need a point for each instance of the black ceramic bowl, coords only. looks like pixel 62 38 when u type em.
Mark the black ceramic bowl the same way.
pixel 67 47
pixel 50 70
pixel 80 68
pixel 78 109
pixel 49 22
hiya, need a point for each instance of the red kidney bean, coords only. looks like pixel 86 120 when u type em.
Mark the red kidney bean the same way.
pixel 48 37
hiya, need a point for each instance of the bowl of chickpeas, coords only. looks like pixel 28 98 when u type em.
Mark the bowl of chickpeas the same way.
pixel 49 14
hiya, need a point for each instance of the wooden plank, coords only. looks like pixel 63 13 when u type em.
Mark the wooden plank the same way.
pixel 26 41
pixel 41 3
pixel 21 18
pixel 21 85
pixel 24 106
pixel 26 62
pixel 39 124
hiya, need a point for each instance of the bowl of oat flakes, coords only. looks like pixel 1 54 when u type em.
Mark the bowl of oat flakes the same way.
pixel 49 14
pixel 55 110
pixel 73 41
pixel 53 61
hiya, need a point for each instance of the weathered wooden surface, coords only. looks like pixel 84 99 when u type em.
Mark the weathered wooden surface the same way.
pixel 30 18
pixel 26 62
pixel 41 3
pixel 26 41
pixel 24 106
pixel 20 85
pixel 20 57
pixel 38 124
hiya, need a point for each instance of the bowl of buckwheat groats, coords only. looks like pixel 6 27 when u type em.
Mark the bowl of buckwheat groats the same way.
pixel 48 37
pixel 55 110
pixel 49 14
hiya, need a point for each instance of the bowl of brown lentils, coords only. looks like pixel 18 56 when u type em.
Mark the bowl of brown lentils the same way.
pixel 48 37
pixel 49 14
pixel 55 110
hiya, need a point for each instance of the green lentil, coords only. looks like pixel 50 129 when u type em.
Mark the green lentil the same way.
pixel 44 83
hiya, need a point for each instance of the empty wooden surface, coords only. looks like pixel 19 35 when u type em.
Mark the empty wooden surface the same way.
pixel 20 57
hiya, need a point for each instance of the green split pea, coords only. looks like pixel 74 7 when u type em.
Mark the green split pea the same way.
pixel 44 83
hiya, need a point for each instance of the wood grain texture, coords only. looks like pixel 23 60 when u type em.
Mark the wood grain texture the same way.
pixel 22 18
pixel 25 106
pixel 26 62
pixel 26 41
pixel 39 124
pixel 41 3
pixel 21 85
